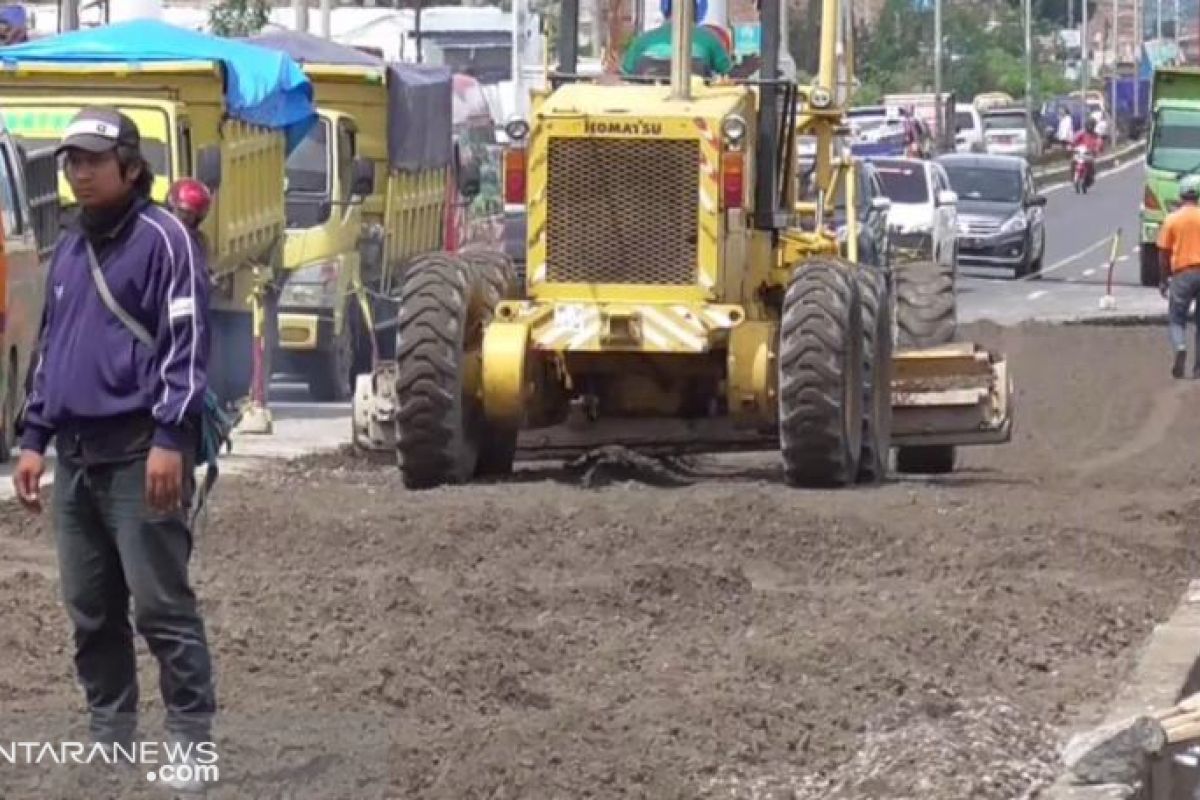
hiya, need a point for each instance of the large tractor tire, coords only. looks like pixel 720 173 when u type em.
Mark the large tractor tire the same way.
pixel 875 291
pixel 926 317
pixel 495 280
pixel 925 305
pixel 330 372
pixel 820 376
pixel 433 423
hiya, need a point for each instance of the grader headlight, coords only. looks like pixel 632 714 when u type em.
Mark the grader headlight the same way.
pixel 734 129
pixel 517 130
pixel 820 98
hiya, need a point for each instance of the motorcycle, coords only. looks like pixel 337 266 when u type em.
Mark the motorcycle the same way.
pixel 1084 169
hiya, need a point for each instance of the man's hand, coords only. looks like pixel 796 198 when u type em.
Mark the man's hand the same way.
pixel 27 480
pixel 1164 288
pixel 164 480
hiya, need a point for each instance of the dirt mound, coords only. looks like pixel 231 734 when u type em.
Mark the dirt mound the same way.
pixel 718 636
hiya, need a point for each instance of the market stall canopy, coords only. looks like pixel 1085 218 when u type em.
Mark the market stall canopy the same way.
pixel 420 98
pixel 262 87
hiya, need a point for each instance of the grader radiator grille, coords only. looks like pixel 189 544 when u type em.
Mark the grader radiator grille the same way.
pixel 622 211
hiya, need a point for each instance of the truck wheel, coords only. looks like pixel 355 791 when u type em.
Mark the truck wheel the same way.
pixel 8 433
pixel 820 376
pixel 1150 271
pixel 232 366
pixel 925 308
pixel 495 280
pixel 876 297
pixel 330 372
pixel 432 425
pixel 925 305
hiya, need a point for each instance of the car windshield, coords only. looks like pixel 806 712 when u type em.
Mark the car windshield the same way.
pixel 308 184
pixel 1176 143
pixel 1004 121
pixel 988 184
pixel 964 121
pixel 903 183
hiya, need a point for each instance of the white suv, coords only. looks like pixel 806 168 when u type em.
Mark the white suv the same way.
pixel 924 216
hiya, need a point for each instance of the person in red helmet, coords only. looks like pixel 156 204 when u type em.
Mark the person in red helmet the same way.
pixel 189 200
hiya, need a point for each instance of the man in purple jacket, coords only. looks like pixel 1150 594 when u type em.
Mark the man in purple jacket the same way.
pixel 124 418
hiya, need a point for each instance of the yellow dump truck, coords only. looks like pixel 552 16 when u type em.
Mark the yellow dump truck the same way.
pixel 367 190
pixel 180 109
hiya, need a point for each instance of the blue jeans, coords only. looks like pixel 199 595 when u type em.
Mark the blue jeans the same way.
pixel 1185 289
pixel 111 547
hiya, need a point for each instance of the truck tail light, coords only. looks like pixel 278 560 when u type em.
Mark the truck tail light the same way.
pixel 733 179
pixel 1149 201
pixel 514 175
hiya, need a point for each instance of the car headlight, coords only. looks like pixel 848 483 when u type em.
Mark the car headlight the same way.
pixel 312 286
pixel 1016 222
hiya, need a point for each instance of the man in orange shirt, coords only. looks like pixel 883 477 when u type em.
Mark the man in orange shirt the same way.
pixel 1179 268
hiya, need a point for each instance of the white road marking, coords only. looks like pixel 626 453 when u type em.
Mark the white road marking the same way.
pixel 1122 258
pixel 1037 294
pixel 1087 273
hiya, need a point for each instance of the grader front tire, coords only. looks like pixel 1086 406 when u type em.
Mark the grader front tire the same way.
pixel 925 305
pixel 927 317
pixel 820 376
pixel 496 280
pixel 432 430
pixel 874 289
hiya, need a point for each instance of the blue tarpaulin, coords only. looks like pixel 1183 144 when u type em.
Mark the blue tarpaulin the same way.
pixel 263 87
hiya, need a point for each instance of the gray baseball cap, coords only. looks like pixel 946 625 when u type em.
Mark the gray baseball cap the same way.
pixel 98 130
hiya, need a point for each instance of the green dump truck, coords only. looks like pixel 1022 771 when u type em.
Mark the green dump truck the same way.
pixel 1174 151
pixel 369 189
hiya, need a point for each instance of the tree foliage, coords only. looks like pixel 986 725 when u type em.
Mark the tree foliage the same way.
pixel 238 17
pixel 983 48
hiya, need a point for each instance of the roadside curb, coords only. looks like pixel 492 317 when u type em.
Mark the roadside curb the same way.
pixel 1167 669
pixel 1118 320
pixel 1062 172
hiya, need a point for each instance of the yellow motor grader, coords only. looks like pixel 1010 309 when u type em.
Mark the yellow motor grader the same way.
pixel 681 296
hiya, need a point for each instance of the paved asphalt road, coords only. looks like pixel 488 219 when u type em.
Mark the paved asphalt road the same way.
pixel 1079 228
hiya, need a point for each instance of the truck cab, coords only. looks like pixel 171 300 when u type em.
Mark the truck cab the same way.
pixel 323 195
pixel 1173 151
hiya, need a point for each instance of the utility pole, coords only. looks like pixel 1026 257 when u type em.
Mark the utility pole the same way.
pixel 326 17
pixel 939 112
pixel 1175 24
pixel 1084 45
pixel 68 15
pixel 1112 105
pixel 1158 20
pixel 1028 4
pixel 1138 32
pixel 300 15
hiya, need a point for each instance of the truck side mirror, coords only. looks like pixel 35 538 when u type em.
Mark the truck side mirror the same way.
pixel 208 167
pixel 363 181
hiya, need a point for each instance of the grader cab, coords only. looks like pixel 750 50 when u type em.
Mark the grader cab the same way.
pixel 681 296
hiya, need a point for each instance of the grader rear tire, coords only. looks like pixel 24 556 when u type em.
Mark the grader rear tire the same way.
pixel 432 429
pixel 875 291
pixel 495 281
pixel 820 376
pixel 925 305
pixel 926 317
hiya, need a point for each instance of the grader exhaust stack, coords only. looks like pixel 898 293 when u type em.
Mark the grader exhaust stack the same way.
pixel 682 23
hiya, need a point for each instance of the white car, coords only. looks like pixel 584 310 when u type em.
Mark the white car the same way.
pixel 1008 132
pixel 923 217
pixel 968 129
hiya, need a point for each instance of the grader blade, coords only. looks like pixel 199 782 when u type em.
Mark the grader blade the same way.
pixel 956 394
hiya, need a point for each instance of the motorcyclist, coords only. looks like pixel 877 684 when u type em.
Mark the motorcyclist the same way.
pixel 1093 143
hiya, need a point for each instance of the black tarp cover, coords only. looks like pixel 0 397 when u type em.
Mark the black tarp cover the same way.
pixel 420 97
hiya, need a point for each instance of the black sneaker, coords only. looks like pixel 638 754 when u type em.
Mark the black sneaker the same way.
pixel 1177 367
